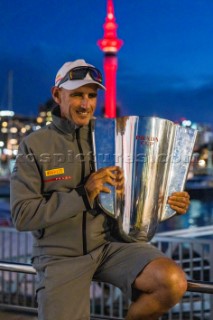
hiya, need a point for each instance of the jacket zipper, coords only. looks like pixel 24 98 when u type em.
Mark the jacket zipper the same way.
pixel 84 236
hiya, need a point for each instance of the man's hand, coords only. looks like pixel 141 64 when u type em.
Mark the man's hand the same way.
pixel 179 201
pixel 95 183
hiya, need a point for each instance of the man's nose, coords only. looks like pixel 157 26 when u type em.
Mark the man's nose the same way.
pixel 85 102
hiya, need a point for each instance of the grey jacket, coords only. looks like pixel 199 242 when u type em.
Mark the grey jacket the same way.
pixel 47 193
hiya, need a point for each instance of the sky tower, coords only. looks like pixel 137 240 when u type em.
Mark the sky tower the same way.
pixel 110 44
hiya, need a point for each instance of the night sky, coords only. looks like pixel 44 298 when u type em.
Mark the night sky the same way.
pixel 165 65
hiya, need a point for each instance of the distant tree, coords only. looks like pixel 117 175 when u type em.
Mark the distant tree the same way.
pixel 47 106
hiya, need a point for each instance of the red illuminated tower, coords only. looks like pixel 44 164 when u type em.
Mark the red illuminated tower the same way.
pixel 110 44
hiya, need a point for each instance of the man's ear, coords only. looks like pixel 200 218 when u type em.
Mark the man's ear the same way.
pixel 56 94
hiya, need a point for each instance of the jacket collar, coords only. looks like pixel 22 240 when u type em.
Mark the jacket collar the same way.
pixel 67 126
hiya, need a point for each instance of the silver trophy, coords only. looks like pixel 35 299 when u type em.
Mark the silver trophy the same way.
pixel 155 155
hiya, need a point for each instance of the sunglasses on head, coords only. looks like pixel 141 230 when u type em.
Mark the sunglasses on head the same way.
pixel 79 73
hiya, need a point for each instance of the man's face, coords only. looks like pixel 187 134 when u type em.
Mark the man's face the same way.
pixel 77 105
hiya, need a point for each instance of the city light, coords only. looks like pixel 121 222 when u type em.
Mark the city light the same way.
pixel 39 120
pixel 6 113
pixel 13 141
pixel 202 163
pixel 186 123
pixel 13 130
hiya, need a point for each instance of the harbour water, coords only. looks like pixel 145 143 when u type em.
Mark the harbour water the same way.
pixel 200 214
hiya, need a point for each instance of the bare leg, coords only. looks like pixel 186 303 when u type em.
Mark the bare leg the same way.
pixel 162 284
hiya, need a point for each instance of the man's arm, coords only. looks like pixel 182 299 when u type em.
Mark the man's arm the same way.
pixel 29 208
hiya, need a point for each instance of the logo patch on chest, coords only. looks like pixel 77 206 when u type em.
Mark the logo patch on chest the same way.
pixel 54 172
pixel 58 179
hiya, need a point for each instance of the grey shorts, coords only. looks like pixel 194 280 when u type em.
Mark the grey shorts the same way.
pixel 64 282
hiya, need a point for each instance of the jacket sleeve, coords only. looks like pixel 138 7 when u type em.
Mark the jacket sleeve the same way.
pixel 29 208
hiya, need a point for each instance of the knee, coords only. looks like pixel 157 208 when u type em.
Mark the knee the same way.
pixel 171 280
pixel 165 277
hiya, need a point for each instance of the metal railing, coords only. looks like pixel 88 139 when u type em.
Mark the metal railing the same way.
pixel 106 300
pixel 195 256
pixel 193 286
pixel 18 280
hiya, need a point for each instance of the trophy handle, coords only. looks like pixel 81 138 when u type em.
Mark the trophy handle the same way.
pixel 183 146
pixel 103 138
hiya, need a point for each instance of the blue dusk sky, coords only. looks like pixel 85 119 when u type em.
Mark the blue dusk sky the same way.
pixel 165 67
